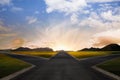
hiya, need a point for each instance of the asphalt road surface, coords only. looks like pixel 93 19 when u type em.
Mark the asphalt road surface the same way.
pixel 63 67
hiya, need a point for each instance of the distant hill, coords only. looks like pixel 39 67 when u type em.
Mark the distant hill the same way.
pixel 36 49
pixel 22 49
pixel 111 47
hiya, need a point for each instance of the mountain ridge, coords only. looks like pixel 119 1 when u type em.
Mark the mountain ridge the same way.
pixel 110 47
pixel 35 49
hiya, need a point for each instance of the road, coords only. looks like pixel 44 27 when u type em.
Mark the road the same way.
pixel 62 66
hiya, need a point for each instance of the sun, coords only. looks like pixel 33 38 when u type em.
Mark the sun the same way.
pixel 61 47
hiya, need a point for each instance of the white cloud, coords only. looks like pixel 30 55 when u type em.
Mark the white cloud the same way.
pixel 73 7
pixel 31 19
pixel 74 19
pixel 14 9
pixel 86 11
pixel 100 1
pixel 109 16
pixel 65 6
pixel 5 2
pixel 94 22
pixel 104 32
pixel 70 6
pixel 17 42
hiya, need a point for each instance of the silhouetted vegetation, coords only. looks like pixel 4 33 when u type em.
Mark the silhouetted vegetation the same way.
pixel 111 47
pixel 36 49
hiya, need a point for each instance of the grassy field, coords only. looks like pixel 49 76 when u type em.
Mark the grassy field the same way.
pixel 86 54
pixel 111 66
pixel 10 65
pixel 81 54
pixel 46 54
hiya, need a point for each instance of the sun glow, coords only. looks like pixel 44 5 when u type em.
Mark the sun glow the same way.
pixel 61 47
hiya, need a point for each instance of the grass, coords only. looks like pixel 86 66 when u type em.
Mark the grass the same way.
pixel 81 54
pixel 10 65
pixel 46 54
pixel 112 66
pixel 86 54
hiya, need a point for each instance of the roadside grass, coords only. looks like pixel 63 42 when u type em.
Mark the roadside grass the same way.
pixel 114 52
pixel 10 65
pixel 80 54
pixel 46 54
pixel 86 54
pixel 112 66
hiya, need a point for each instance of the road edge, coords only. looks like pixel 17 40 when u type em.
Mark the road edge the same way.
pixel 114 76
pixel 18 72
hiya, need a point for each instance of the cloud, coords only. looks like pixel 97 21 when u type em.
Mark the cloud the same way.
pixel 65 6
pixel 95 24
pixel 11 42
pixel 5 2
pixel 14 9
pixel 102 21
pixel 31 19
pixel 110 17
pixel 74 18
pixel 78 31
pixel 75 37
pixel 70 6
pixel 100 1
pixel 3 28
pixel 17 42
pixel 74 8
pixel 107 37
pixel 82 24
pixel 60 35
pixel 5 36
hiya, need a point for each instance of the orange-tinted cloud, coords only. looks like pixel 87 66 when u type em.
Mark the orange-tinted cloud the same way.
pixel 106 38
pixel 18 42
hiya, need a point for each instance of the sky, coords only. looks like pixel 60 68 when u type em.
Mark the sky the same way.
pixel 59 24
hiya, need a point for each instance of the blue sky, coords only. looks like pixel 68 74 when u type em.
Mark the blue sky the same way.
pixel 59 24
